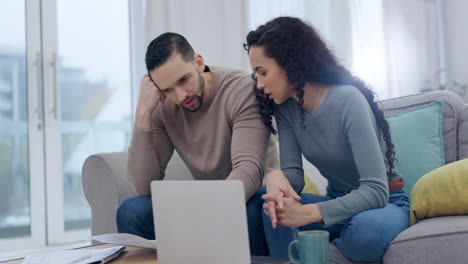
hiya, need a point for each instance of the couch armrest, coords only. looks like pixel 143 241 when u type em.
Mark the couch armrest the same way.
pixel 105 185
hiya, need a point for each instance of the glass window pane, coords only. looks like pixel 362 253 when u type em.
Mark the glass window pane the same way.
pixel 94 53
pixel 15 217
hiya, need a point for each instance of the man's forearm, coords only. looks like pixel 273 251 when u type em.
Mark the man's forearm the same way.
pixel 142 120
pixel 251 175
pixel 143 162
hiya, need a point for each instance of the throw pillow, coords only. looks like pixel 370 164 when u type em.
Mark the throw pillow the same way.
pixel 418 139
pixel 443 191
pixel 310 186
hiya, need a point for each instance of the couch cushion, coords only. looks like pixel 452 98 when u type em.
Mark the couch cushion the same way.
pixel 441 192
pixel 434 240
pixel 310 186
pixel 419 145
pixel 453 105
pixel 336 257
pixel 463 134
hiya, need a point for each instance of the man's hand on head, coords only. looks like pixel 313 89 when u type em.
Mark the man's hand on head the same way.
pixel 149 98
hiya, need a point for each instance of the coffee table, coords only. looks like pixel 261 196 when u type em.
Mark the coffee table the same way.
pixel 130 255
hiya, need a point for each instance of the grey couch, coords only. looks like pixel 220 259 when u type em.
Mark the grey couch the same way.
pixel 435 240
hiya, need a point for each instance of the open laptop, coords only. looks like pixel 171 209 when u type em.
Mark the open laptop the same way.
pixel 202 222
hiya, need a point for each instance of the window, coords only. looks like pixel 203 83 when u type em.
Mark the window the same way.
pixel 65 93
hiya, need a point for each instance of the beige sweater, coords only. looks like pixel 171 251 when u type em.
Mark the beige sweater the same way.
pixel 224 139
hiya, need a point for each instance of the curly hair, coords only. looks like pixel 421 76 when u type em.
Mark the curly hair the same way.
pixel 304 56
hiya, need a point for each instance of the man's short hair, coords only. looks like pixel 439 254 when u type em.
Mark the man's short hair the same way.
pixel 162 48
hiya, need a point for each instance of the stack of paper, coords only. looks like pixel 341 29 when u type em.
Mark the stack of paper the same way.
pixel 78 256
pixel 125 239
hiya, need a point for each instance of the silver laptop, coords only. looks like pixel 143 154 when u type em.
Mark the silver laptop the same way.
pixel 202 222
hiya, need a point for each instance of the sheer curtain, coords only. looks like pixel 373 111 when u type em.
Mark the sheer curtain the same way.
pixel 393 45
pixel 369 60
pixel 215 28
pixel 396 45
pixel 412 39
pixel 331 18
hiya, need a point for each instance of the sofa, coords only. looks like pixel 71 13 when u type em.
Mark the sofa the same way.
pixel 434 240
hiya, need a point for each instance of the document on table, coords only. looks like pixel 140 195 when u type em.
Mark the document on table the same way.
pixel 125 239
pixel 77 256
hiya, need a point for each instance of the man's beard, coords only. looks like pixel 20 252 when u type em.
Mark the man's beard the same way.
pixel 198 97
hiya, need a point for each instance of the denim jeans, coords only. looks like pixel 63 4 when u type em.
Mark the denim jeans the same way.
pixel 135 216
pixel 361 238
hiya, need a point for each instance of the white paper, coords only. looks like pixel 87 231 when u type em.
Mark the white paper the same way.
pixel 125 239
pixel 77 256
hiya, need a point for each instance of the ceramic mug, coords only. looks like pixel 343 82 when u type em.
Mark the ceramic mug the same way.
pixel 312 247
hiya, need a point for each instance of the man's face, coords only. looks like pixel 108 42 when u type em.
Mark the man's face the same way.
pixel 181 82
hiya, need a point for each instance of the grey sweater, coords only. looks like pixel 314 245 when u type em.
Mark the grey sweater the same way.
pixel 224 139
pixel 342 140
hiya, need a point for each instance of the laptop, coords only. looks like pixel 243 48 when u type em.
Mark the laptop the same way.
pixel 202 222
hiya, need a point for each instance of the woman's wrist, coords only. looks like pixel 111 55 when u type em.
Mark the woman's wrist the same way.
pixel 313 213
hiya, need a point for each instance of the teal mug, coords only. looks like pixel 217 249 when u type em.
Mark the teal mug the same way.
pixel 312 248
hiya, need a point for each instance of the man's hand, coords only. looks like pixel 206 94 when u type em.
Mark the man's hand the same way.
pixel 149 98
pixel 294 214
pixel 278 187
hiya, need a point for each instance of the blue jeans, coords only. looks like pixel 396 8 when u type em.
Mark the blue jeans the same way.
pixel 361 238
pixel 135 216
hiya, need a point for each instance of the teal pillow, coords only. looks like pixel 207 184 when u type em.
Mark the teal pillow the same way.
pixel 419 143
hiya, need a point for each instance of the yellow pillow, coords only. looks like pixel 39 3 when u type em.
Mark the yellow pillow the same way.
pixel 309 186
pixel 443 191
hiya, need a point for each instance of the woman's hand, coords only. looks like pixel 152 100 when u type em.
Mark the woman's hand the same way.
pixel 396 184
pixel 278 187
pixel 294 214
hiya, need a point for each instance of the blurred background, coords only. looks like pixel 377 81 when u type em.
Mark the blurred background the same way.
pixel 70 72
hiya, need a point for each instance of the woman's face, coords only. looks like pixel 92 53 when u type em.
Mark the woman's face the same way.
pixel 271 78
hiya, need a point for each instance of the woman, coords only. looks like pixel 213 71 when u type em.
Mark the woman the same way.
pixel 326 114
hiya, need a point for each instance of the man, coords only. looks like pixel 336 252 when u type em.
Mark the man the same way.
pixel 210 116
